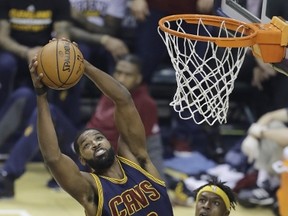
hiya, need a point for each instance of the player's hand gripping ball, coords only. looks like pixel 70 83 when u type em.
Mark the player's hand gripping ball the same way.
pixel 61 63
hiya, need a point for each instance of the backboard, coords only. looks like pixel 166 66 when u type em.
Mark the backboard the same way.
pixel 255 11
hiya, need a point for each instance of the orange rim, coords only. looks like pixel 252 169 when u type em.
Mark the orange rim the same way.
pixel 244 41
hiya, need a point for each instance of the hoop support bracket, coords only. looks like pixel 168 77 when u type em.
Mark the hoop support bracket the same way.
pixel 271 40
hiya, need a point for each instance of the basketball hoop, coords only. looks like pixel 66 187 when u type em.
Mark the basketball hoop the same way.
pixel 207 61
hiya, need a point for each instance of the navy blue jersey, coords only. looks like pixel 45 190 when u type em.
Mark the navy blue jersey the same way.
pixel 137 193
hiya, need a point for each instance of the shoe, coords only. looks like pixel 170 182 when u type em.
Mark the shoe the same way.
pixel 182 195
pixel 52 184
pixel 6 187
pixel 257 196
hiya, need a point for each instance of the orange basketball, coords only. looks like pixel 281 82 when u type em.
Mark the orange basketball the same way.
pixel 61 63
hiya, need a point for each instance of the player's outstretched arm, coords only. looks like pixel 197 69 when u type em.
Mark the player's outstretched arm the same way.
pixel 127 119
pixel 64 170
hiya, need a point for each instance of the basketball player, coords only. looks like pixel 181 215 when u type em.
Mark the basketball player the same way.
pixel 128 73
pixel 127 183
pixel 214 198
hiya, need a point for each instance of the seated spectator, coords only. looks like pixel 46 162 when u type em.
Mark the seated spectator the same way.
pixel 14 114
pixel 263 146
pixel 148 45
pixel 96 29
pixel 26 148
pixel 25 27
pixel 32 27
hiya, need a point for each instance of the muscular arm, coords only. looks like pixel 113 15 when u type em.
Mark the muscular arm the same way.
pixel 64 170
pixel 127 119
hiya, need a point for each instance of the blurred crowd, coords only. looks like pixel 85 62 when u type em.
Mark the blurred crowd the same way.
pixel 121 38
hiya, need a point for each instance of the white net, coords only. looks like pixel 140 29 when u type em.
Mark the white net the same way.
pixel 205 72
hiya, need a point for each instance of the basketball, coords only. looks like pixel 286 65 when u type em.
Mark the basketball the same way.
pixel 61 63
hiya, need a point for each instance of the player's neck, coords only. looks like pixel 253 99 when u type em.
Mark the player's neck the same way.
pixel 115 171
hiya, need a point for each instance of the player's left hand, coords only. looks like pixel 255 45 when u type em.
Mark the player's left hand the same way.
pixel 39 87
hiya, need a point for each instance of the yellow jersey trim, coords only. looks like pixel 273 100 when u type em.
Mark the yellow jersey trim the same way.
pixel 115 180
pixel 100 194
pixel 136 166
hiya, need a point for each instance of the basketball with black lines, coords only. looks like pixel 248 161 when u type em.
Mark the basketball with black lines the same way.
pixel 61 63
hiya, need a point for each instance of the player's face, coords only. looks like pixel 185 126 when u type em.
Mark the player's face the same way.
pixel 96 150
pixel 210 204
pixel 127 74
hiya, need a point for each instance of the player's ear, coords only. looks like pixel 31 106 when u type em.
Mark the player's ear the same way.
pixel 82 161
